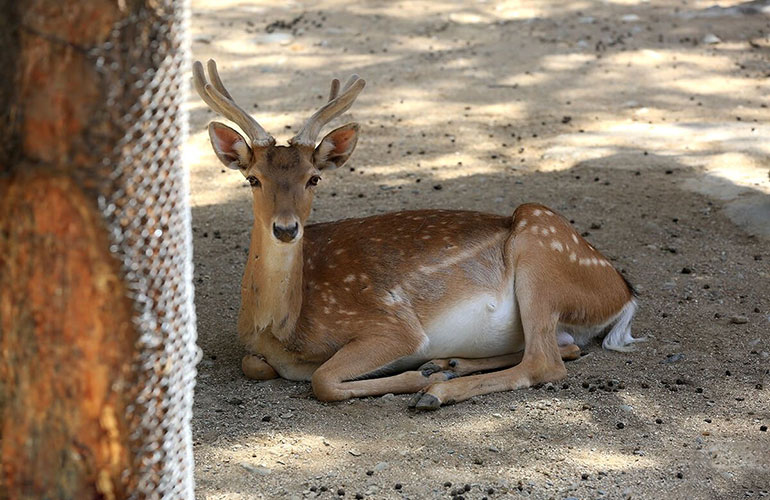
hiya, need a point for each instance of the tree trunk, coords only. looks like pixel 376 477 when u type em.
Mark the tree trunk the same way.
pixel 68 345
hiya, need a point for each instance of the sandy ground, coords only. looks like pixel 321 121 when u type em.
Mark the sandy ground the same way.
pixel 644 122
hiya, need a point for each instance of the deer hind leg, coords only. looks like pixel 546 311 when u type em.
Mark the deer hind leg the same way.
pixel 465 366
pixel 541 361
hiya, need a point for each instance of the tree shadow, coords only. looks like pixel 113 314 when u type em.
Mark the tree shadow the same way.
pixel 535 114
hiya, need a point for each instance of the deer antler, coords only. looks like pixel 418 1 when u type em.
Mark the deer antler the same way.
pixel 337 105
pixel 219 99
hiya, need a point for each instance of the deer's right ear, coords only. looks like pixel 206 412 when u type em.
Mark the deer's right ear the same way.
pixel 230 147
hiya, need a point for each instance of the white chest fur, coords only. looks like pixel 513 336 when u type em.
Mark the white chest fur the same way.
pixel 483 326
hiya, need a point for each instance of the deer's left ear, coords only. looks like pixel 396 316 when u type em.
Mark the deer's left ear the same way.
pixel 335 149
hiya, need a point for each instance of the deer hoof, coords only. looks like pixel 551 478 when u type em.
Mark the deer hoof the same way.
pixel 428 402
pixel 256 368
pixel 429 369
pixel 414 399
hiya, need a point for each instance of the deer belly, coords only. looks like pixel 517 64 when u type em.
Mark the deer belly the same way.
pixel 484 326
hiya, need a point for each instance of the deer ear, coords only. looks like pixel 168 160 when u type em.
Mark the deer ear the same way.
pixel 335 149
pixel 230 147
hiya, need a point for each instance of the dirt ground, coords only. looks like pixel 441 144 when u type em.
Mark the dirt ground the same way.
pixel 643 122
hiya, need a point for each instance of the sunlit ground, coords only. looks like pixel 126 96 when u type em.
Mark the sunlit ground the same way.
pixel 484 99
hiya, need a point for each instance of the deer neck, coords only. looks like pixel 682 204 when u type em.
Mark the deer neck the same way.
pixel 271 290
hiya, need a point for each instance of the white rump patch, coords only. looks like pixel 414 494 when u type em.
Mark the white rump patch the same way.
pixel 619 338
pixel 564 338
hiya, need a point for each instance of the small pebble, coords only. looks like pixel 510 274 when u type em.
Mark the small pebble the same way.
pixel 738 319
pixel 673 358
pixel 620 425
pixel 763 428
pixel 341 492
pixel 398 486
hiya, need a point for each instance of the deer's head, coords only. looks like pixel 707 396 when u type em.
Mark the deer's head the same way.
pixel 282 178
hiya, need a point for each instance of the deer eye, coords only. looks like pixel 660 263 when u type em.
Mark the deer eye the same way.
pixel 253 181
pixel 313 181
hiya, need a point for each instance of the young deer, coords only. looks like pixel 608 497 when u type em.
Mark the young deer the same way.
pixel 408 301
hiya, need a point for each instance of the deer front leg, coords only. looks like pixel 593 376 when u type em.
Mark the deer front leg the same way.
pixel 335 379
pixel 466 366
pixel 256 368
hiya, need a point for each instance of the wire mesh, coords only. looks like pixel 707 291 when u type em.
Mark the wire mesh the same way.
pixel 143 195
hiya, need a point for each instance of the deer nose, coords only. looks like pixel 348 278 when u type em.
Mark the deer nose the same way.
pixel 286 233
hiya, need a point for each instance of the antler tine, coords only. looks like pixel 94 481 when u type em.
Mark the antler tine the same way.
pixel 353 78
pixel 216 81
pixel 218 98
pixel 335 90
pixel 335 107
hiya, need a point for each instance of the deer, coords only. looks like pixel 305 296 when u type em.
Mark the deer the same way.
pixel 442 304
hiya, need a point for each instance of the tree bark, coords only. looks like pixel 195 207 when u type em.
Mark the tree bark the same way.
pixel 66 336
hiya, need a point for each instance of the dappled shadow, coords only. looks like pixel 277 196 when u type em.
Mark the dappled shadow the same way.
pixel 471 108
pixel 651 234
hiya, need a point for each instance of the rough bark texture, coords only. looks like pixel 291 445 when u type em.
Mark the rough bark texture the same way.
pixel 66 337
pixel 66 345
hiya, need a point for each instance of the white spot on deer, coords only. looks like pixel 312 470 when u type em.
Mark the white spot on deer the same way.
pixel 585 262
pixel 573 257
pixel 604 263
pixel 546 231
pixel 556 245
pixel 594 261
pixel 327 310
pixel 426 237
pixel 537 212
pixel 349 278
pixel 535 229
pixel 548 212
pixel 376 240
pixel 574 238
pixel 521 225
pixel 339 251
